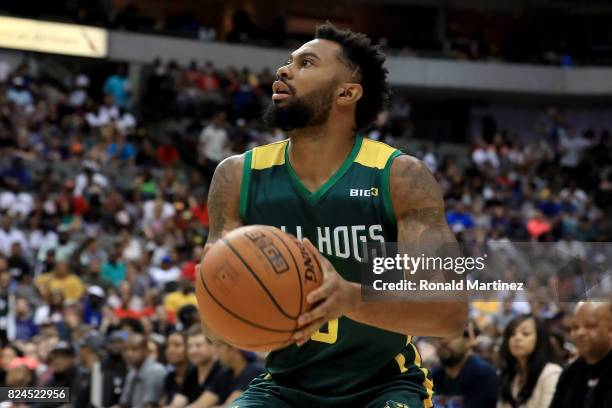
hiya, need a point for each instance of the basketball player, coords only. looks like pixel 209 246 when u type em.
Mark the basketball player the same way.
pixel 334 188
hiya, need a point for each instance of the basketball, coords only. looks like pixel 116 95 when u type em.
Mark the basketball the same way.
pixel 253 285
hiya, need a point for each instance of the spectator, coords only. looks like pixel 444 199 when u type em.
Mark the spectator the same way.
pixel 528 374
pixel 9 234
pixel 165 274
pixel 144 384
pixel 114 370
pixel 53 310
pixel 86 394
pixel 114 269
pixel 178 365
pixel 118 86
pixel 462 375
pixel 18 265
pixel 241 369
pixel 189 268
pixel 587 382
pixel 63 279
pixel 214 144
pixel 21 373
pixel 25 328
pixel 206 370
pixel 184 295
pixel 63 369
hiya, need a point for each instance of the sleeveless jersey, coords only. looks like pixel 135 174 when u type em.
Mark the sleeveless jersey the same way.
pixel 352 207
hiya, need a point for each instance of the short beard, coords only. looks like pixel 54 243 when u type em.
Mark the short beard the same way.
pixel 451 360
pixel 307 111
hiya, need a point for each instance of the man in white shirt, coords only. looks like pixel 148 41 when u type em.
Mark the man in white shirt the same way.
pixel 214 144
pixel 9 234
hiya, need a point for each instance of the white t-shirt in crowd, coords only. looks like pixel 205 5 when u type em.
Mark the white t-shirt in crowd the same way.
pixel 214 142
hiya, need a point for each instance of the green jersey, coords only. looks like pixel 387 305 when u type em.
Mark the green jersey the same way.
pixel 353 207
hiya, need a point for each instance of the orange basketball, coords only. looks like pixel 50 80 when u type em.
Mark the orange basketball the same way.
pixel 253 285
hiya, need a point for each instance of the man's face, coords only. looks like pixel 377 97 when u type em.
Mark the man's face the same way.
pixel 591 329
pixel 134 352
pixel 19 376
pixel 452 351
pixel 199 350
pixel 224 351
pixel 307 85
pixel 61 362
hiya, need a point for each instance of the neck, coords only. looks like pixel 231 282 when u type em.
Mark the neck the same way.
pixel 204 368
pixel 522 367
pixel 316 153
pixel 181 367
pixel 454 371
pixel 238 365
pixel 594 359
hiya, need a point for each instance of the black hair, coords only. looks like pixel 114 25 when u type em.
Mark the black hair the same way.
pixel 367 60
pixel 542 354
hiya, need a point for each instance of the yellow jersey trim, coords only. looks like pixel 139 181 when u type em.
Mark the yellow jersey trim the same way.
pixel 374 154
pixel 269 155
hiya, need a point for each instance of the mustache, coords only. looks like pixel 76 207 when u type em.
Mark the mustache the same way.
pixel 292 89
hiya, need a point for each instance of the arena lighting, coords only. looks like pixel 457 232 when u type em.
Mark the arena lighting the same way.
pixel 57 38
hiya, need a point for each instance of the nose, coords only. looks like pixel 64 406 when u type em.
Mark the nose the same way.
pixel 283 72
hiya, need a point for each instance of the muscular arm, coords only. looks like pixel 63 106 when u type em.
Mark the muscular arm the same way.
pixel 223 206
pixel 419 209
pixel 224 198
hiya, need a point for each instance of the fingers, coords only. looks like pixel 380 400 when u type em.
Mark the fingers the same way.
pixel 317 313
pixel 322 292
pixel 302 335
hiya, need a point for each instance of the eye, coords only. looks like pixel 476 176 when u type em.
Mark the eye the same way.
pixel 306 62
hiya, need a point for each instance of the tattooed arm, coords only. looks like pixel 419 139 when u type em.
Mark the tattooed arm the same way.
pixel 224 198
pixel 223 206
pixel 419 209
pixel 421 224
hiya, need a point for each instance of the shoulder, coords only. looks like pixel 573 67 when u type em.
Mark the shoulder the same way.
pixel 481 366
pixel 228 173
pixel 413 187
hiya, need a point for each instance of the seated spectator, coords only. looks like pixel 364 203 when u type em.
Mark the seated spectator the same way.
pixel 464 375
pixel 7 355
pixel 113 270
pixel 144 384
pixel 184 295
pixel 63 368
pixel 166 273
pixel 63 279
pixel 89 370
pixel 51 311
pixel 241 367
pixel 529 374
pixel 114 369
pixel 587 382
pixel 178 365
pixel 189 268
pixel 9 234
pixel 25 328
pixel 206 370
pixel 21 373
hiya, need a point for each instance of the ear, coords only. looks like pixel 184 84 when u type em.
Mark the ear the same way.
pixel 349 93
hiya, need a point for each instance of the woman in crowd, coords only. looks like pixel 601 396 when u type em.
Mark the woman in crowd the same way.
pixel 176 357
pixel 529 373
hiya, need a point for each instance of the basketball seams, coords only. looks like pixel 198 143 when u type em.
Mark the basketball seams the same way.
pixel 297 269
pixel 248 268
pixel 205 286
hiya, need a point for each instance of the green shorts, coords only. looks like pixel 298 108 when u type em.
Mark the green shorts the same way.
pixel 401 391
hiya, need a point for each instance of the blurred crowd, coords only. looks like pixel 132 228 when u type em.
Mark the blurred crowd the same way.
pixel 504 33
pixel 104 215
